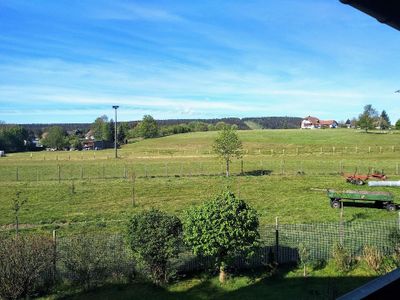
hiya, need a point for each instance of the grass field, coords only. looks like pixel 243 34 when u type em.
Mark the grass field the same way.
pixel 75 190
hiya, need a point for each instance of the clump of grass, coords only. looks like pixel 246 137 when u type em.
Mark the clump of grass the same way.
pixel 373 258
pixel 342 258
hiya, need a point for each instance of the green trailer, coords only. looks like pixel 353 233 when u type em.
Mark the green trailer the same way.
pixel 379 199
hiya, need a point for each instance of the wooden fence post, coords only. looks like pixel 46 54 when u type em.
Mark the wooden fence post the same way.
pixel 398 221
pixel 59 173
pixel 133 188
pixel 241 167
pixel 54 255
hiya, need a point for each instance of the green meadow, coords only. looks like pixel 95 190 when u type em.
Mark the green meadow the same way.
pixel 283 174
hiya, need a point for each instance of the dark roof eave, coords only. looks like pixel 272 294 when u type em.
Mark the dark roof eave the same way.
pixel 386 12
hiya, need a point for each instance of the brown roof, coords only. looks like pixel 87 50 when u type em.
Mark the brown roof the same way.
pixel 313 120
pixel 327 122
pixel 89 133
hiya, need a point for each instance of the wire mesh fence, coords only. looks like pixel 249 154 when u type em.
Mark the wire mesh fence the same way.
pixel 278 243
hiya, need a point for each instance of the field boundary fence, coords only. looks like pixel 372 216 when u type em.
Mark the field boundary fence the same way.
pixel 97 155
pixel 279 243
pixel 280 167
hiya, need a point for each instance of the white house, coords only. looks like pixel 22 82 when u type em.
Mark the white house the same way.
pixel 313 122
pixel 310 123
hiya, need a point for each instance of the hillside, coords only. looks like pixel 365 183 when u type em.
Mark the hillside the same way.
pixel 242 123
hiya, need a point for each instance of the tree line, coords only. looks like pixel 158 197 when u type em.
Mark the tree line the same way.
pixel 370 119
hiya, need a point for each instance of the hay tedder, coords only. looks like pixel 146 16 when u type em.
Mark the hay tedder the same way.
pixel 362 179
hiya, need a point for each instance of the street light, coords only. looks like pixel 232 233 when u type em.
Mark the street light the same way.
pixel 115 130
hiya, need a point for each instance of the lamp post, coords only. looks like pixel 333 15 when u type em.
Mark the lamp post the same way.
pixel 115 130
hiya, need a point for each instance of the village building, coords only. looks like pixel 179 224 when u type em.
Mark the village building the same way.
pixel 315 123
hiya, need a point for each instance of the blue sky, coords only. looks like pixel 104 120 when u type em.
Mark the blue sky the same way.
pixel 70 61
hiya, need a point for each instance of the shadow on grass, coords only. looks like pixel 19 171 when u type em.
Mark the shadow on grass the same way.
pixel 260 172
pixel 250 285
pixel 364 205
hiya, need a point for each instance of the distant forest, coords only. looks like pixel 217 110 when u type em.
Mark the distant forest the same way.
pixel 242 124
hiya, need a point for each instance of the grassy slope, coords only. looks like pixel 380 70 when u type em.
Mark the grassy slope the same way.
pixel 108 202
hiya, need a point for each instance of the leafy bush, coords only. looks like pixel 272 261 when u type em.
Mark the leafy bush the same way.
pixel 394 239
pixel 342 258
pixel 373 257
pixel 25 265
pixel 224 227
pixel 155 238
pixel 90 260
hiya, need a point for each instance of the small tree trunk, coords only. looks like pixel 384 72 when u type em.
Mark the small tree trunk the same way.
pixel 304 271
pixel 227 168
pixel 222 274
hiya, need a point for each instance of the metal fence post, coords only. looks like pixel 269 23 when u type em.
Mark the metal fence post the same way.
pixel 276 240
pixel 341 225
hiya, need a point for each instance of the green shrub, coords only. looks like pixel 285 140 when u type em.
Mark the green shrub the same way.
pixel 224 227
pixel 342 258
pixel 25 265
pixel 91 260
pixel 155 237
